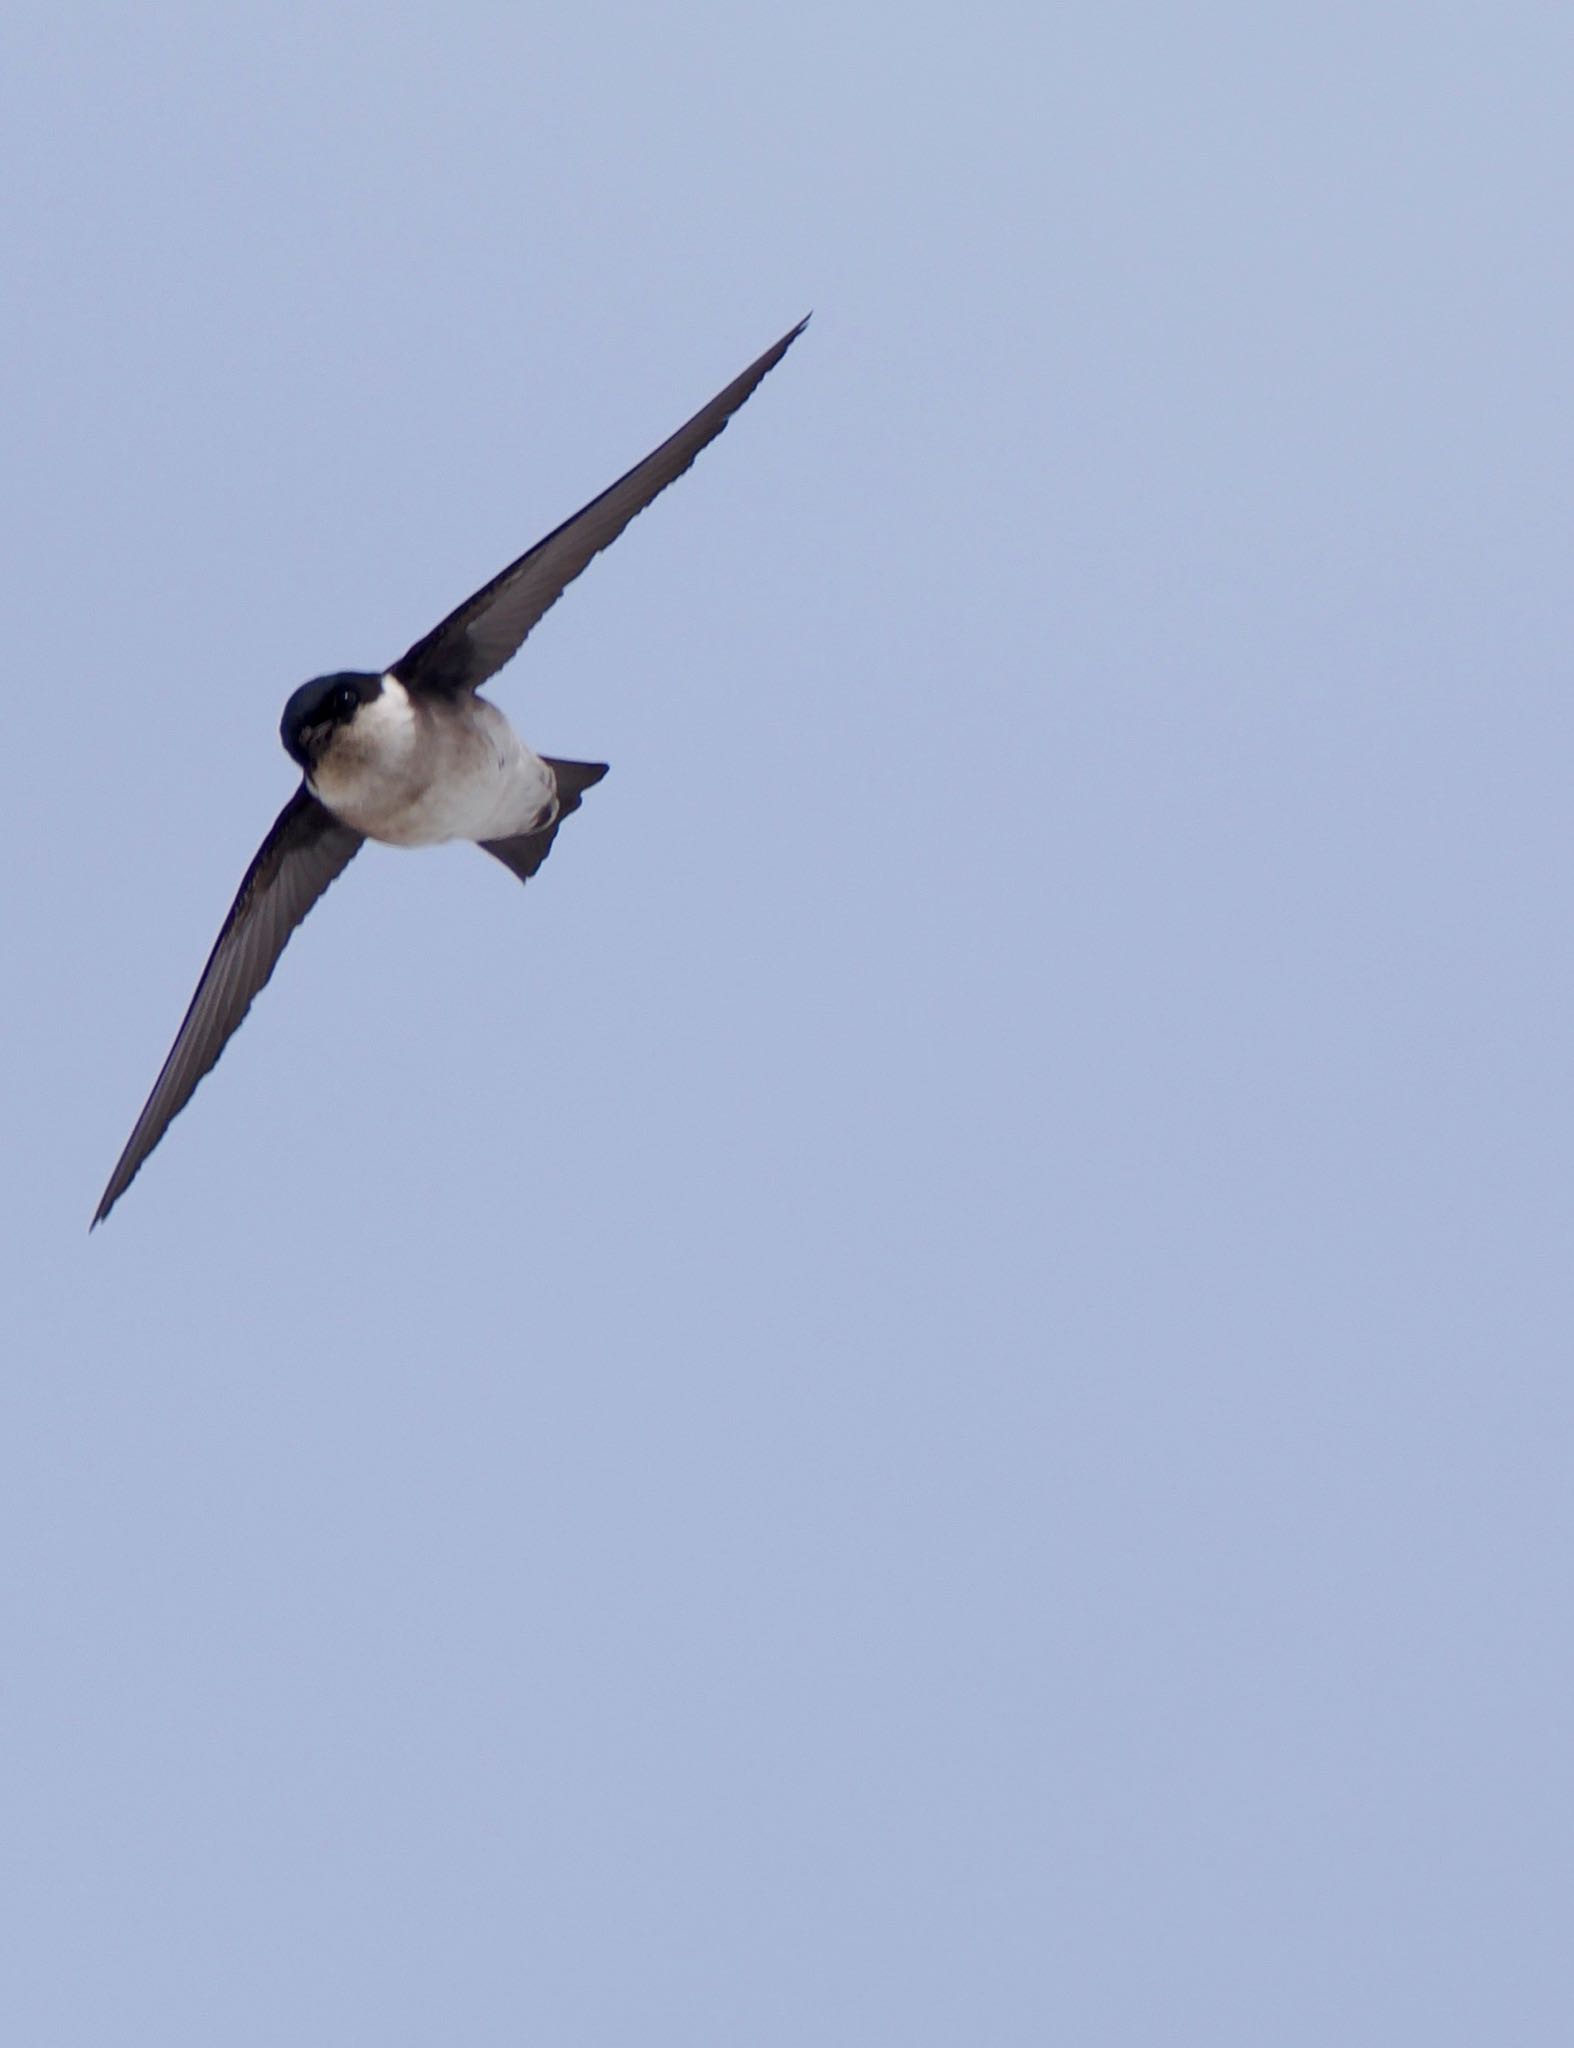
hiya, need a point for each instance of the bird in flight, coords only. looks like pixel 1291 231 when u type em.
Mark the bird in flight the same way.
pixel 412 756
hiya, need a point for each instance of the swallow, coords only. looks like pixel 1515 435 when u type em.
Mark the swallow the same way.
pixel 412 755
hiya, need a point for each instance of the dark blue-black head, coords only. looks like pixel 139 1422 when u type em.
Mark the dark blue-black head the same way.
pixel 317 707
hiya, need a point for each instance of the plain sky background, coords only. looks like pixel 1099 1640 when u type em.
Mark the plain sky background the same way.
pixel 924 1397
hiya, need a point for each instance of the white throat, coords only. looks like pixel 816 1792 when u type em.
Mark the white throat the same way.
pixel 389 721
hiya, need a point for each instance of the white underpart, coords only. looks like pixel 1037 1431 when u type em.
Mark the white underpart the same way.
pixel 416 775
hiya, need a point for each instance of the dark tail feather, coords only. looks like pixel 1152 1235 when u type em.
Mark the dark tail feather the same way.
pixel 524 853
pixel 573 779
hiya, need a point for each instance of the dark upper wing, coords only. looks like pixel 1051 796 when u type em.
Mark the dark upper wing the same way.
pixel 303 853
pixel 489 628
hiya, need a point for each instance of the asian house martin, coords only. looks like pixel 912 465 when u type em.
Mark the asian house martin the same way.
pixel 412 756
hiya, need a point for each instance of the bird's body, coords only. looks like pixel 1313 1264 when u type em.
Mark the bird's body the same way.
pixel 415 771
pixel 412 756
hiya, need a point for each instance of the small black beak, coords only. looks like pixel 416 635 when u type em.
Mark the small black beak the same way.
pixel 302 744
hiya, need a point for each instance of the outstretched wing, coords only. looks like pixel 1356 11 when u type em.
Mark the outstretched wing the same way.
pixel 304 852
pixel 488 629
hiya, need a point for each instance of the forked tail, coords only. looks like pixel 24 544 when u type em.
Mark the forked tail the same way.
pixel 525 852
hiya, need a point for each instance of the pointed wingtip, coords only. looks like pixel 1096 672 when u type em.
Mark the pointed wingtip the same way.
pixel 778 349
pixel 772 356
pixel 119 1181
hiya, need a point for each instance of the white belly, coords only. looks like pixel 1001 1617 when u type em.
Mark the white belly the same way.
pixel 416 774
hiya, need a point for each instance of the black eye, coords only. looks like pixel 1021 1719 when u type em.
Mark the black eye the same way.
pixel 345 699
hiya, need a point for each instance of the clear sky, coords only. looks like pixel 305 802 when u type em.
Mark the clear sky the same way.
pixel 924 1397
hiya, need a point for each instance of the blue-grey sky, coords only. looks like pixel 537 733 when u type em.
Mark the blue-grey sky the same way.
pixel 924 1397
